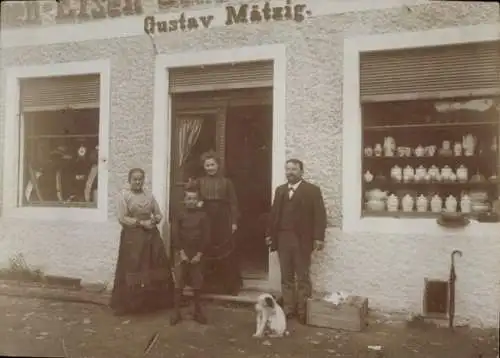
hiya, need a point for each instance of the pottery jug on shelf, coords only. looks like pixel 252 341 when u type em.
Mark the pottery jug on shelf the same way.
pixel 469 143
pixel 451 204
pixel 436 204
pixel 445 150
pixel 392 203
pixel 368 176
pixel 408 174
pixel 419 151
pixel 420 173
pixel 396 173
pixel 457 149
pixel 368 151
pixel 433 172
pixel 377 150
pixel 422 203
pixel 446 172
pixel 389 146
pixel 465 204
pixel 430 150
pixel 407 203
pixel 376 195
pixel 462 174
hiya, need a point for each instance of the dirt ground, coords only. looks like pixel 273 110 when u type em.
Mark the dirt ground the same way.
pixel 34 327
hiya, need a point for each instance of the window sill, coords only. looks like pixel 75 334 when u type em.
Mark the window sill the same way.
pixel 399 215
pixel 58 205
pixel 56 214
pixel 416 225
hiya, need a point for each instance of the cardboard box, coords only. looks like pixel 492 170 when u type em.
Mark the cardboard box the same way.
pixel 350 315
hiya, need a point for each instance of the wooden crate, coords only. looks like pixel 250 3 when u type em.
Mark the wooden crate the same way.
pixel 350 315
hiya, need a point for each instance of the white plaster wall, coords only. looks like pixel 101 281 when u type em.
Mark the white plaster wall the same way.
pixel 389 269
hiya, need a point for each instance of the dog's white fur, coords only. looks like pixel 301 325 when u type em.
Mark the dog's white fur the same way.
pixel 270 317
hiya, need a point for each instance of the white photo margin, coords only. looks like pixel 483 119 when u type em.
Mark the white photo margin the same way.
pixel 12 156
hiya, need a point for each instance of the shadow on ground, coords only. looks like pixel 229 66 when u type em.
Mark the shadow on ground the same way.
pixel 32 327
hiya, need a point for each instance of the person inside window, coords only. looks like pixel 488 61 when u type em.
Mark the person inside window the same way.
pixel 90 192
pixel 45 181
pixel 64 174
pixel 81 175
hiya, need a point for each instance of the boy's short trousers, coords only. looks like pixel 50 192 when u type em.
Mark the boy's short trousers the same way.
pixel 190 274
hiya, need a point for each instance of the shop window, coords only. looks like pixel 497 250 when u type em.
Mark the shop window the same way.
pixel 59 142
pixel 423 157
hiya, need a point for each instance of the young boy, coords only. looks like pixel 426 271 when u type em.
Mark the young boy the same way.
pixel 190 235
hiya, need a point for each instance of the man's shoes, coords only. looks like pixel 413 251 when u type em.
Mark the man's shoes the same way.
pixel 301 318
pixel 199 316
pixel 175 319
pixel 198 313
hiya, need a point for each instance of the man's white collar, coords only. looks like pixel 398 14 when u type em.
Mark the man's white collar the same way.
pixel 294 186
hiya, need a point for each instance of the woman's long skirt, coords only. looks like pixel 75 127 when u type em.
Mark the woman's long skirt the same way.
pixel 222 272
pixel 143 279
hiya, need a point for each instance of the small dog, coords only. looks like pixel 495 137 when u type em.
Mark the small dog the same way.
pixel 270 317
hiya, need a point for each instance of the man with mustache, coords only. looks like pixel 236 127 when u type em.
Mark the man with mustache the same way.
pixel 296 228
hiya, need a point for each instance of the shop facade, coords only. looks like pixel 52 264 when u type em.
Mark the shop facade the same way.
pixel 296 85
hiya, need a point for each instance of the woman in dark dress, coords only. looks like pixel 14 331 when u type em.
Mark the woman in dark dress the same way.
pixel 222 274
pixel 143 280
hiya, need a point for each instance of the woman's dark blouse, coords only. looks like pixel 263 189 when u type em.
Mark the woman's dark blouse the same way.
pixel 219 188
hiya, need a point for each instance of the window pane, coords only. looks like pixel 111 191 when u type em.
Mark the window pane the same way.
pixel 60 158
pixel 206 141
pixel 428 156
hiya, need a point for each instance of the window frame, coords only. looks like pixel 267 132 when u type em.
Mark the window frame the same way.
pixel 352 219
pixel 13 152
pixel 394 130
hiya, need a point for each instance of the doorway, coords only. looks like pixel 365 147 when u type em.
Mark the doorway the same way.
pixel 249 165
pixel 238 125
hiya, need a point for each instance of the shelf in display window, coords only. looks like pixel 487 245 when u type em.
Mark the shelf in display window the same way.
pixel 407 214
pixel 438 158
pixel 468 184
pixel 428 126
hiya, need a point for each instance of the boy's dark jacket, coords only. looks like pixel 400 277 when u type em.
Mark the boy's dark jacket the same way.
pixel 191 231
pixel 309 215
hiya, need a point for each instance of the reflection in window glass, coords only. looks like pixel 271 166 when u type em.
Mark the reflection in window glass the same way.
pixel 60 158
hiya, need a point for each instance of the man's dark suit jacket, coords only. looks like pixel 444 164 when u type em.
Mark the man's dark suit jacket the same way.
pixel 309 215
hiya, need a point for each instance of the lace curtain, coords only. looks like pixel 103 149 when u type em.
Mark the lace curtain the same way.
pixel 189 132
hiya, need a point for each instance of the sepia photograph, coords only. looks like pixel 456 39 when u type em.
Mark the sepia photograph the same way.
pixel 228 178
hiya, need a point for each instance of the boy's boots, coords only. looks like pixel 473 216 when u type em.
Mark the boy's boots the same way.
pixel 198 313
pixel 176 317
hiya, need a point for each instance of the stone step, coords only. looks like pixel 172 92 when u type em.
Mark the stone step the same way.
pixel 101 296
pixel 244 297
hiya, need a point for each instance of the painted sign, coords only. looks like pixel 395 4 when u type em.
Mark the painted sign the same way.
pixel 162 15
pixel 15 14
pixel 244 14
